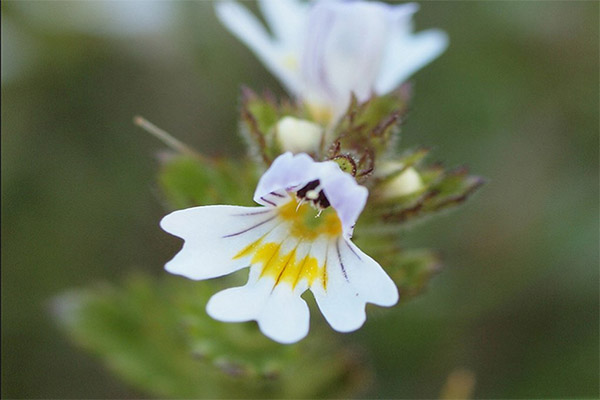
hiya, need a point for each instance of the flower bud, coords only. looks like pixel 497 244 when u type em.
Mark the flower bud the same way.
pixel 298 135
pixel 407 182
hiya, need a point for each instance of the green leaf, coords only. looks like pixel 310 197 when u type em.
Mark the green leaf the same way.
pixel 157 336
pixel 190 181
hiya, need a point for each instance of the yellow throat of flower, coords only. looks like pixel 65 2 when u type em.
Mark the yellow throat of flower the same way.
pixel 306 224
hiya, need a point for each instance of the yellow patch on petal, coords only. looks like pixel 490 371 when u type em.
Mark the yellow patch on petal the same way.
pixel 248 250
pixel 306 225
pixel 283 267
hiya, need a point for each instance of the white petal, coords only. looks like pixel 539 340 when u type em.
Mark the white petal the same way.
pixel 241 303
pixel 250 31
pixel 339 301
pixel 373 283
pixel 346 196
pixel 286 18
pixel 353 279
pixel 285 316
pixel 406 54
pixel 213 236
pixel 285 172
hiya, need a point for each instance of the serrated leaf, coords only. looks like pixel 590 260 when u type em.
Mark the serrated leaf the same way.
pixel 190 181
pixel 157 336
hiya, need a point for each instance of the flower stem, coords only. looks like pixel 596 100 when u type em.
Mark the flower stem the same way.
pixel 164 137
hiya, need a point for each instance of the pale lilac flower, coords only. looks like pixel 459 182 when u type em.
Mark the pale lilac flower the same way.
pixel 298 239
pixel 326 50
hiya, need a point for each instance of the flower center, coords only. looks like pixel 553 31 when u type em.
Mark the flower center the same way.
pixel 306 222
pixel 312 192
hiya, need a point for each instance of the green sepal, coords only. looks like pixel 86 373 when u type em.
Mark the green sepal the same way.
pixel 368 130
pixel 157 337
pixel 442 189
pixel 408 159
pixel 259 117
pixel 192 181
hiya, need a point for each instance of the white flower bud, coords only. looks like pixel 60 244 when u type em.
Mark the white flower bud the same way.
pixel 298 135
pixel 403 184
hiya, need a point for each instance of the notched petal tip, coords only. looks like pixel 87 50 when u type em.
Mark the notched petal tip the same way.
pixel 212 236
pixel 285 317
pixel 282 315
pixel 354 279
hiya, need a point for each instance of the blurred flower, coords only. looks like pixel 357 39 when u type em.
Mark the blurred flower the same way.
pixel 298 135
pixel 324 51
pixel 299 239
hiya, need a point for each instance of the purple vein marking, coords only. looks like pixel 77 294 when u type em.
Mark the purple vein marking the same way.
pixel 252 227
pixel 277 194
pixel 352 250
pixel 251 213
pixel 337 247
pixel 268 201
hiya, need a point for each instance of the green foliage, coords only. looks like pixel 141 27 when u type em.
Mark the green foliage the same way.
pixel 192 181
pixel 157 336
pixel 411 270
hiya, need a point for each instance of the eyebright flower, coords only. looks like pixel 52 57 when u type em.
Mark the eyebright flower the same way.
pixel 324 51
pixel 298 239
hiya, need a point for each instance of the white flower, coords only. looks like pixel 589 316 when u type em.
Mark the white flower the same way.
pixel 324 51
pixel 299 239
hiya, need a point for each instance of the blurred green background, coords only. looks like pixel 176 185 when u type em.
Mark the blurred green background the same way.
pixel 515 97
